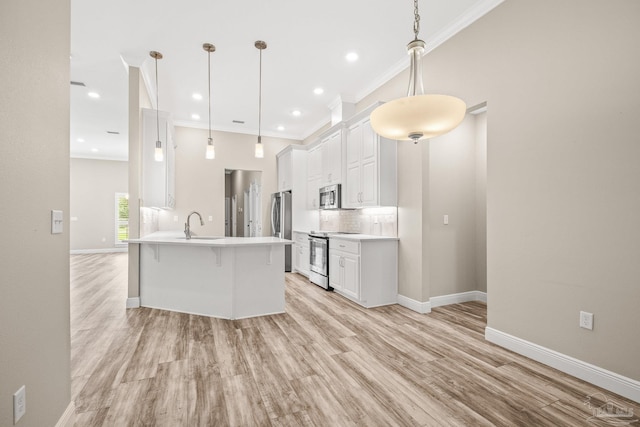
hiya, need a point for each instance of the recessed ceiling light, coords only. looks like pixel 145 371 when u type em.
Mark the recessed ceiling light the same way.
pixel 351 57
pixel 296 113
pixel 195 116
pixel 95 150
pixel 197 96
pixel 94 95
pixel 280 128
pixel 80 140
pixel 318 91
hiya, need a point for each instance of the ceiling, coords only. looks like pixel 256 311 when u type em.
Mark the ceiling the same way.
pixel 306 47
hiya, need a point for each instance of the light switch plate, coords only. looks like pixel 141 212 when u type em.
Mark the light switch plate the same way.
pixel 56 222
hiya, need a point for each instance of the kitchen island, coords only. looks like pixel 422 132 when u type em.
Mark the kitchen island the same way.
pixel 225 277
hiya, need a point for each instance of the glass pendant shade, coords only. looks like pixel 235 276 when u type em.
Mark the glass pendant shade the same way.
pixel 418 117
pixel 158 155
pixel 211 150
pixel 259 152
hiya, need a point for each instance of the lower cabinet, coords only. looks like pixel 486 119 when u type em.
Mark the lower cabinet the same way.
pixel 300 252
pixel 365 271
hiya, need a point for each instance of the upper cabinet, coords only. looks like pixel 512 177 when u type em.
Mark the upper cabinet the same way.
pixel 158 178
pixel 314 176
pixel 371 167
pixel 285 170
pixel 331 148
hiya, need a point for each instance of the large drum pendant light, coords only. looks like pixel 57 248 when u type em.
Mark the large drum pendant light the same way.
pixel 417 116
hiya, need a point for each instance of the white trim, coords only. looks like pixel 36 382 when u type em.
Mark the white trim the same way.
pixel 608 380
pixel 458 298
pixel 411 304
pixel 68 418
pixel 469 17
pixel 97 251
pixel 133 302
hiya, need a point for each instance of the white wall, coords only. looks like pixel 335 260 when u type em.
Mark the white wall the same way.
pixel 94 184
pixel 34 178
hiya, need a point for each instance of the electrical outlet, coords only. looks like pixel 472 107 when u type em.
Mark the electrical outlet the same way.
pixel 19 404
pixel 586 320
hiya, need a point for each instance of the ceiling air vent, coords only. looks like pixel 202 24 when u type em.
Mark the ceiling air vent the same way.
pixel 241 122
pixel 113 132
pixel 77 84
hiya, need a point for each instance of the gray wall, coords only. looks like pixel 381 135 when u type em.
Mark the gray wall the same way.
pixel 34 179
pixel 93 187
pixel 563 182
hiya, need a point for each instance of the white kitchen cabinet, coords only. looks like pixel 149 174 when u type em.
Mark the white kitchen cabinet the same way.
pixel 331 150
pixel 292 176
pixel 366 270
pixel 285 170
pixel 314 176
pixel 158 178
pixel 301 253
pixel 371 167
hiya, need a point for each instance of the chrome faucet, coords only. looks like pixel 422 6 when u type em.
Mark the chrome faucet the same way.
pixel 187 225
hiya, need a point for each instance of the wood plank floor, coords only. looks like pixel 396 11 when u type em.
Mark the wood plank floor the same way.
pixel 325 362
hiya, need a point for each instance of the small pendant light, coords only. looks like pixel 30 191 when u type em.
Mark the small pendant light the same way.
pixel 158 154
pixel 417 116
pixel 259 151
pixel 211 150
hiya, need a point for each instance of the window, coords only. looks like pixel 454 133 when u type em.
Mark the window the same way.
pixel 122 218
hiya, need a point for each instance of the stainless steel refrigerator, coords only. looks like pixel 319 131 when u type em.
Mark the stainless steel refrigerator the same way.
pixel 281 222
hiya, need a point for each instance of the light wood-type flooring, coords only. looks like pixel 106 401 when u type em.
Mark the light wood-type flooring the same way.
pixel 326 362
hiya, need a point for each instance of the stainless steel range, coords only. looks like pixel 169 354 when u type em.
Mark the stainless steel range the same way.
pixel 319 259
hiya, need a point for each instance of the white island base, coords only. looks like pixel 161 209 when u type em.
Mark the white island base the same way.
pixel 226 279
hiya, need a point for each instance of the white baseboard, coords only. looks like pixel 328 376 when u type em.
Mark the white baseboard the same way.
pixel 133 302
pixel 411 304
pixel 458 298
pixel 608 380
pixel 97 251
pixel 68 418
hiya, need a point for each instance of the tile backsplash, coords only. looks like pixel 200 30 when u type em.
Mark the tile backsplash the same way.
pixel 376 221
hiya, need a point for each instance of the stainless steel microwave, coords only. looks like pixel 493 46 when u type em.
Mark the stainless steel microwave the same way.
pixel 330 197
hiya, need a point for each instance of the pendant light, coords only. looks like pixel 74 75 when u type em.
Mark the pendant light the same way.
pixel 158 154
pixel 259 151
pixel 211 151
pixel 417 116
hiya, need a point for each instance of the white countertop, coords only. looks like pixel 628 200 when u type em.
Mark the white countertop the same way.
pixel 360 237
pixel 178 238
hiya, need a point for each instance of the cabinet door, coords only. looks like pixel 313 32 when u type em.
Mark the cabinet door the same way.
pixel 331 149
pixel 284 171
pixel 335 270
pixel 353 179
pixel 304 260
pixel 352 187
pixel 351 276
pixel 369 184
pixel 314 162
pixel 313 187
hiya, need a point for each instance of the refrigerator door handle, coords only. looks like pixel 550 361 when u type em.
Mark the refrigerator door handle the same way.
pixel 273 210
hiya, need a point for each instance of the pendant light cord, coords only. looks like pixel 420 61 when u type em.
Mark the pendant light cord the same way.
pixel 260 97
pixel 157 103
pixel 416 21
pixel 209 74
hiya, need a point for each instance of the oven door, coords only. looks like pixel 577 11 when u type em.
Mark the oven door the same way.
pixel 318 255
